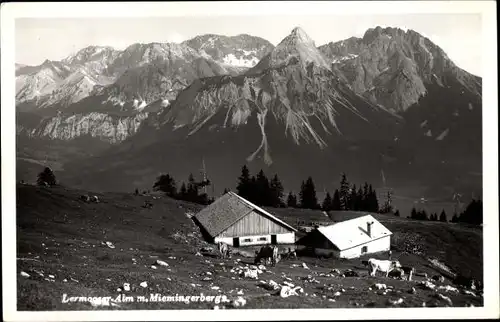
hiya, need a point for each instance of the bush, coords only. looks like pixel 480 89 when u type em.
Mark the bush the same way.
pixel 46 177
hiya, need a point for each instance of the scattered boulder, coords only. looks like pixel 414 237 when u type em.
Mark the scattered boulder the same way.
pixel 198 254
pixel 448 288
pixel 336 271
pixel 126 287
pixel 215 288
pixel 305 266
pixel 427 285
pixel 24 274
pixel 438 278
pixel 395 302
pixel 153 267
pixel 110 244
pixel 467 292
pixel 338 293
pixel 161 263
pixel 287 291
pixel 249 273
pixel 412 291
pixel 239 302
pixel 144 284
pixel 444 298
pixel 379 286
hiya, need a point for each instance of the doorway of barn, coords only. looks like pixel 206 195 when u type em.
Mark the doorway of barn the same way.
pixel 236 242
pixel 364 249
pixel 273 240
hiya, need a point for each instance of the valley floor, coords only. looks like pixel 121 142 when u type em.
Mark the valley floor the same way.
pixel 69 248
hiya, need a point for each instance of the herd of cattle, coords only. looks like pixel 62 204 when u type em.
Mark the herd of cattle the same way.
pixel 391 268
pixel 269 253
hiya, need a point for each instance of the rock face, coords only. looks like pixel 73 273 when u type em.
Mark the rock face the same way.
pixel 393 67
pixel 296 89
pixel 297 46
pixel 241 51
pixel 102 126
pixel 390 101
pixel 65 82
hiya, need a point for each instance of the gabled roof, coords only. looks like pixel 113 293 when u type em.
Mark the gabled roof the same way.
pixel 351 233
pixel 227 210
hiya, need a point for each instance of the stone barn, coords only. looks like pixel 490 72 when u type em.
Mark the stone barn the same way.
pixel 348 239
pixel 238 222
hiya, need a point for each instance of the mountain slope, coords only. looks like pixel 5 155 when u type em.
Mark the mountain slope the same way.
pixel 241 51
pixel 259 118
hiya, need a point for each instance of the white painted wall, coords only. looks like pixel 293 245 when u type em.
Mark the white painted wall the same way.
pixel 287 238
pixel 379 245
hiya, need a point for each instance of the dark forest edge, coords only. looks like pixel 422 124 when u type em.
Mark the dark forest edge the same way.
pixel 261 191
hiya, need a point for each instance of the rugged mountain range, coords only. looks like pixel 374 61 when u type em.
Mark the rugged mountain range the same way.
pixel 242 51
pixel 391 101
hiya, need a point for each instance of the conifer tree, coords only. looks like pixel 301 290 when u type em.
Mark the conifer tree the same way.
pixel 413 213
pixel 353 196
pixel 276 192
pixel 192 189
pixel 263 190
pixel 243 187
pixel 336 200
pixel 183 192
pixel 442 217
pixel 308 197
pixel 166 184
pixel 291 200
pixel 327 202
pixel 46 177
pixel 344 192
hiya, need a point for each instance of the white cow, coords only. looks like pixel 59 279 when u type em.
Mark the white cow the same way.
pixel 385 266
pixel 224 250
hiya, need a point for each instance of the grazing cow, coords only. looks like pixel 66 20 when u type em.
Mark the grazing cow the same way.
pixel 267 252
pixel 382 265
pixel 289 254
pixel 224 250
pixel 94 199
pixel 397 273
pixel 408 271
pixel 85 198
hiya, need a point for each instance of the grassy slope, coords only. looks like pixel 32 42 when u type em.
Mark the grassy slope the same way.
pixel 60 235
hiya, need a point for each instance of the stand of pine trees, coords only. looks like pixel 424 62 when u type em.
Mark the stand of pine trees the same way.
pixel 188 192
pixel 473 214
pixel 260 190
pixel 350 198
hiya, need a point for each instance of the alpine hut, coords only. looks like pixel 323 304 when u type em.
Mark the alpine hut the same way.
pixel 349 239
pixel 238 222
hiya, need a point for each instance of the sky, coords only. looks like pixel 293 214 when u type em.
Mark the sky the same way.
pixel 38 39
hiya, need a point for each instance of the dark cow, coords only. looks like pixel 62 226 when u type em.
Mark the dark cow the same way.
pixel 85 198
pixel 408 270
pixel 267 252
pixel 397 273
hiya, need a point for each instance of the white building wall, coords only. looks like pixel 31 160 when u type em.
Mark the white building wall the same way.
pixel 378 245
pixel 287 238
